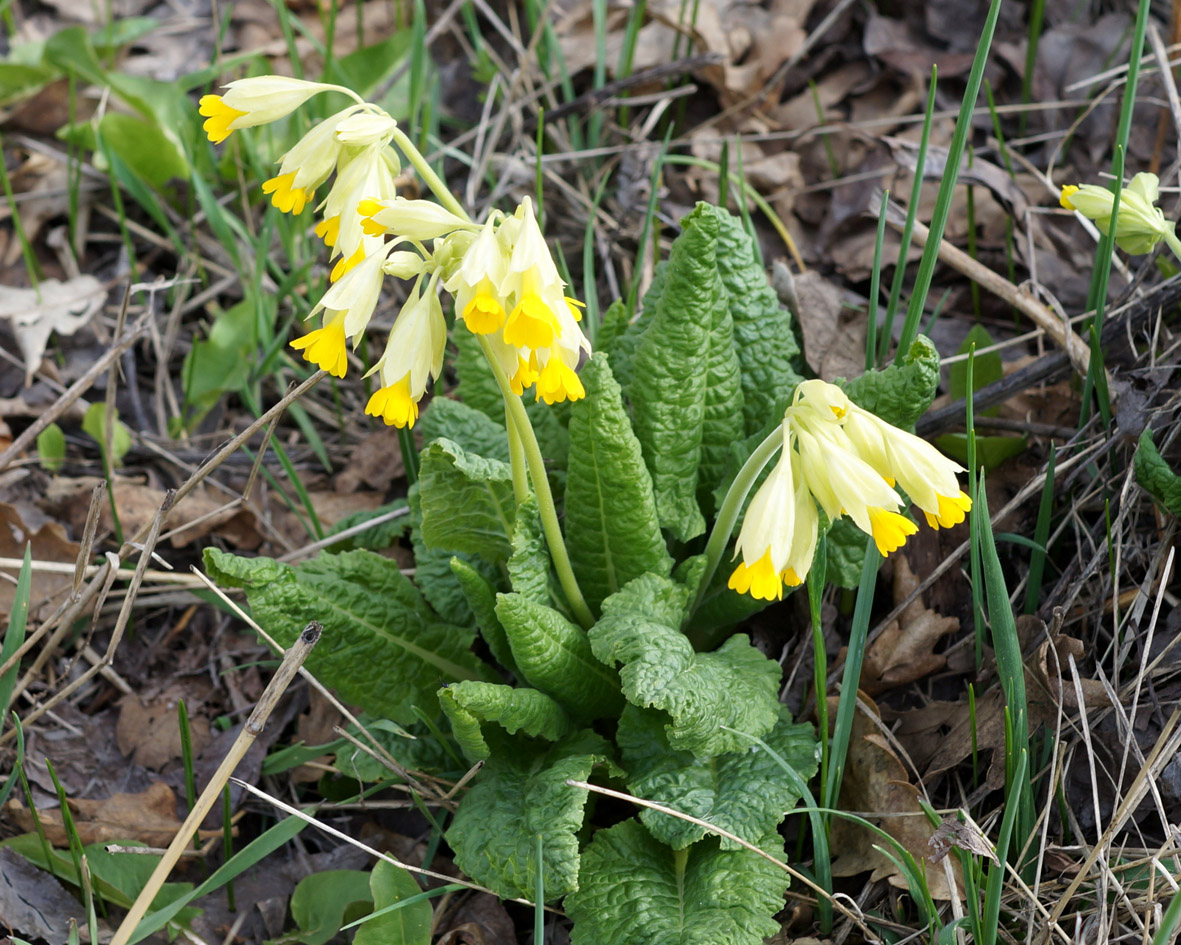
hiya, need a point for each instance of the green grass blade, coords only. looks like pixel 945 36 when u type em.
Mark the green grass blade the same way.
pixel 14 636
pixel 875 285
pixel 1041 536
pixel 947 185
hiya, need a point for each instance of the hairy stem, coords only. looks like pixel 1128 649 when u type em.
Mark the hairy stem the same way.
pixel 731 506
pixel 519 421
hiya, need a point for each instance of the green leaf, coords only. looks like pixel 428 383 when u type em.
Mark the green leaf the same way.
pixel 433 573
pixel 145 148
pixel 382 648
pixel 368 68
pixel 519 794
pixel 421 752
pixel 633 889
pixel 528 568
pixel 684 387
pixel 377 538
pixel 481 598
pixel 468 704
pixel 410 925
pixel 554 655
pixel 51 448
pixel 18 80
pixel 900 393
pixel 763 336
pixel 472 429
pixel 1154 474
pixel 95 423
pixel 986 368
pixel 735 686
pixel 743 792
pixel 991 451
pixel 467 502
pixel 323 902
pixel 612 530
pixel 221 362
pixel 612 325
pixel 846 544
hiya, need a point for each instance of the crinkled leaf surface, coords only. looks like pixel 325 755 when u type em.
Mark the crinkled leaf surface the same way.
pixel 433 573
pixel 743 792
pixel 684 388
pixel 554 655
pixel 382 648
pixel 1154 474
pixel 528 567
pixel 474 431
pixel 734 686
pixel 900 393
pixel 409 925
pixel 846 544
pixel 635 889
pixel 612 530
pixel 763 336
pixel 481 598
pixel 466 501
pixel 515 709
pixel 520 793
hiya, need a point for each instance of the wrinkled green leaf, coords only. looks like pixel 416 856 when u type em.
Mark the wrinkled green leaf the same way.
pixel 382 647
pixel 466 501
pixel 473 430
pixel 322 902
pixel 528 568
pixel 468 704
pixel 433 573
pixel 1154 474
pixel 743 792
pixel 424 752
pixel 763 336
pixel 481 598
pixel 900 393
pixel 95 423
pixel 633 889
pixel 846 545
pixel 735 686
pixel 410 925
pixel 555 656
pixel 684 388
pixel 612 531
pixel 377 538
pixel 611 327
pixel 520 793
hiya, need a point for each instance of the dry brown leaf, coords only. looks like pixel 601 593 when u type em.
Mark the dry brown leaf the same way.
pixel 150 734
pixel 834 336
pixel 50 544
pixel 876 786
pixel 138 503
pixel 374 462
pixel 904 651
pixel 54 306
pixel 149 818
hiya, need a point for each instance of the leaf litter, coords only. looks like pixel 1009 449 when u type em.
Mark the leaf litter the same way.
pixel 919 742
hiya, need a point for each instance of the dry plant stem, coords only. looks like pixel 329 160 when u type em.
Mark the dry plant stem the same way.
pixel 1075 348
pixel 332 831
pixel 250 731
pixel 72 608
pixel 719 832
pixel 76 390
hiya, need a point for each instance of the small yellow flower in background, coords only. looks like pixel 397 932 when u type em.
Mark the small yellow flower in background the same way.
pixel 846 460
pixel 1140 224
pixel 255 101
pixel 413 357
pixel 325 347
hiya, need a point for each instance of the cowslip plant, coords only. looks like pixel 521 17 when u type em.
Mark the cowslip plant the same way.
pixel 571 536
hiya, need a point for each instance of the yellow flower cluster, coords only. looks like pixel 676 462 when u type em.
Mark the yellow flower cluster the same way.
pixel 848 461
pixel 501 274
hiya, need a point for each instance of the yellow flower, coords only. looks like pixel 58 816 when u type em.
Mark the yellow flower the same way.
pixel 413 357
pixel 558 382
pixel 475 283
pixel 367 172
pixel 413 219
pixel 254 101
pixel 307 165
pixel 1140 224
pixel 355 295
pixel 525 374
pixel 325 347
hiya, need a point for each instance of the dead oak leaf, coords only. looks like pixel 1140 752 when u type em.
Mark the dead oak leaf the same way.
pixel 50 545
pixel 54 306
pixel 149 817
pixel 904 651
pixel 149 733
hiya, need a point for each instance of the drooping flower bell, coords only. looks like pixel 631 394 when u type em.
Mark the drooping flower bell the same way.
pixel 255 101
pixel 1140 224
pixel 413 358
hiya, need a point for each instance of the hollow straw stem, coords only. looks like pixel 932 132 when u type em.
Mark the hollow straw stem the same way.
pixel 519 419
pixel 250 731
pixel 732 504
